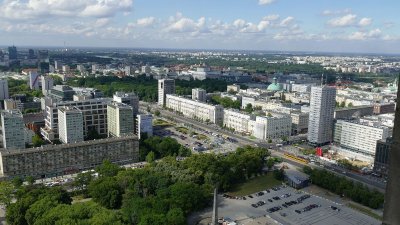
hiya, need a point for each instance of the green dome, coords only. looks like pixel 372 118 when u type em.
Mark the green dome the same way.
pixel 274 86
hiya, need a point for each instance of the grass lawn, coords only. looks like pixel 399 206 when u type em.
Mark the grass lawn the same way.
pixel 159 122
pixel 201 137
pixel 365 211
pixel 252 137
pixel 183 130
pixel 255 185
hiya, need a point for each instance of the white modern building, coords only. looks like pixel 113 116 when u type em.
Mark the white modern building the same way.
pixel 70 125
pixel 359 137
pixel 47 84
pixel 58 65
pixel 237 120
pixel 199 94
pixel 322 108
pixel 33 80
pixel 119 119
pixel 94 116
pixel 195 109
pixel 66 68
pixel 144 124
pixel 4 89
pixel 12 129
pixel 272 127
pixel 165 86
pixel 233 87
pixel 130 99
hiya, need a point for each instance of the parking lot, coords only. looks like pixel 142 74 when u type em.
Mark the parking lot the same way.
pixel 289 206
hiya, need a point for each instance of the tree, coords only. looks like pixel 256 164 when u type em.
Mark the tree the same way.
pixel 150 157
pixel 107 192
pixel 248 108
pixel 108 169
pixel 279 174
pixel 343 104
pixel 269 115
pixel 6 192
pixel 83 179
pixel 37 141
pixel 270 163
pixel 30 180
pixel 176 216
pixel 350 104
pixel 17 182
pixel 269 141
pixel 157 113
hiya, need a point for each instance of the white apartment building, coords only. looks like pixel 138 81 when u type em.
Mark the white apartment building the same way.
pixel 236 120
pixel 322 108
pixel 199 94
pixel 144 124
pixel 4 89
pixel 165 86
pixel 272 127
pixel 47 84
pixel 130 99
pixel 70 125
pixel 195 110
pixel 233 87
pixel 119 119
pixel 359 137
pixel 299 119
pixel 301 87
pixel 94 116
pixel 13 129
pixel 33 80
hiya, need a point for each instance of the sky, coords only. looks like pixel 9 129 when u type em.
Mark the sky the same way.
pixel 365 26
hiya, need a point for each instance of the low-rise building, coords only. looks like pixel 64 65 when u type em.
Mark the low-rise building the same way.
pixel 195 109
pixel 353 112
pixel 272 127
pixel 199 94
pixel 58 160
pixel 237 120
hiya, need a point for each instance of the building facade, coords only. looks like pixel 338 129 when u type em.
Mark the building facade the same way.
pixel 165 86
pixel 381 161
pixel 144 124
pixel 119 119
pixel 322 107
pixel 33 80
pixel 47 84
pixel 4 89
pixel 195 110
pixel 199 94
pixel 272 127
pixel 57 160
pixel 358 137
pixel 130 99
pixel 70 125
pixel 12 129
pixel 236 120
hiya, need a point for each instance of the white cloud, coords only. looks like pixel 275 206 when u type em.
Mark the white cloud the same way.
pixel 335 12
pixel 265 2
pixel 182 24
pixel 359 35
pixel 346 20
pixel 40 9
pixel 146 22
pixel 285 22
pixel 365 22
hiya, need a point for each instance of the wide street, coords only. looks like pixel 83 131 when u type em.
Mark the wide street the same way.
pixel 243 140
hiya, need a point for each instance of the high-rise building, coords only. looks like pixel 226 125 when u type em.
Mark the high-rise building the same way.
pixel 66 68
pixel 381 161
pixel 144 124
pixel 322 108
pixel 13 129
pixel 70 125
pixel 62 93
pixel 129 70
pixel 130 99
pixel 43 56
pixel 4 89
pixel 119 119
pixel 47 84
pixel 391 215
pixel 58 65
pixel 33 80
pixel 165 86
pixel 12 53
pixel 31 54
pixel 199 94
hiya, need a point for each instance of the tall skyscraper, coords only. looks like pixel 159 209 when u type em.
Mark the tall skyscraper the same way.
pixel 119 119
pixel 4 89
pixel 322 108
pixel 47 84
pixel 165 86
pixel 58 65
pixel 391 215
pixel 70 125
pixel 13 129
pixel 33 80
pixel 12 53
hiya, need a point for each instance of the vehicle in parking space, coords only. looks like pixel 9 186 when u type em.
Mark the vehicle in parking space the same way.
pixel 270 200
pixel 268 191
pixel 335 208
pixel 284 205
pixel 302 198
pixel 244 198
pixel 254 205
pixel 286 195
pixel 298 211
pixel 250 196
pixel 276 198
pixel 274 209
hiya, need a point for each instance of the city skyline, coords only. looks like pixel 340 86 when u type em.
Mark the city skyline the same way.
pixel 271 25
